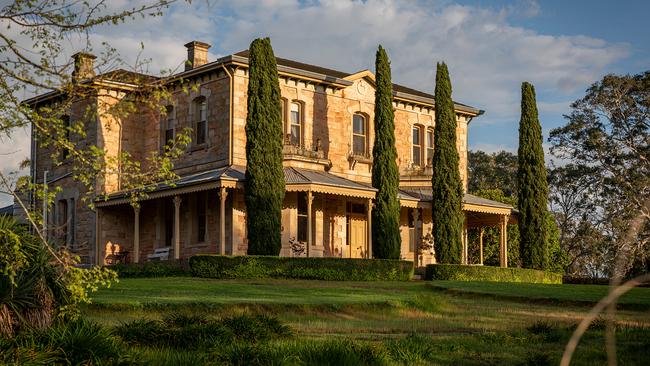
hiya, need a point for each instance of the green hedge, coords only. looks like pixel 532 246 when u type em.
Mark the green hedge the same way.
pixel 329 269
pixel 455 272
pixel 171 268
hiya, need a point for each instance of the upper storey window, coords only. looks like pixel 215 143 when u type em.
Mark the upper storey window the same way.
pixel 417 146
pixel 296 124
pixel 429 146
pixel 201 123
pixel 359 135
pixel 169 125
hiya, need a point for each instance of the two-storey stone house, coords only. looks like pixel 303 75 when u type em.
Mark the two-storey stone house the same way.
pixel 328 119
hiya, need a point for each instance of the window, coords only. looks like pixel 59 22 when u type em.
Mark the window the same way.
pixel 201 217
pixel 359 135
pixel 201 125
pixel 429 146
pixel 302 216
pixel 63 221
pixel 65 152
pixel 169 126
pixel 296 124
pixel 417 146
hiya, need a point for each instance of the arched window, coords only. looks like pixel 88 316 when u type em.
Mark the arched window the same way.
pixel 168 135
pixel 359 135
pixel 429 142
pixel 201 121
pixel 417 146
pixel 295 126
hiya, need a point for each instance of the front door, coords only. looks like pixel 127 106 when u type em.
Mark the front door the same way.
pixel 358 236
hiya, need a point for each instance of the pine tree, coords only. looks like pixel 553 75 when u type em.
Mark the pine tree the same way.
pixel 447 186
pixel 532 184
pixel 386 238
pixel 264 187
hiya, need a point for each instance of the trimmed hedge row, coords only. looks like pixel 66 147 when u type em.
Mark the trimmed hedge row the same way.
pixel 455 272
pixel 329 269
pixel 171 268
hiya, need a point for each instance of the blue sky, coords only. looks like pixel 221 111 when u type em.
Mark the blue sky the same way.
pixel 490 47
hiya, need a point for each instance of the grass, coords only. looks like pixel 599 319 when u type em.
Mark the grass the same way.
pixel 400 322
pixel 589 294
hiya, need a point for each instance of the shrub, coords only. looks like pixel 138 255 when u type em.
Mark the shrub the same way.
pixel 576 280
pixel 79 342
pixel 454 272
pixel 196 332
pixel 329 269
pixel 176 268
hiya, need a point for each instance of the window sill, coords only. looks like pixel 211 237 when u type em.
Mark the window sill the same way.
pixel 360 158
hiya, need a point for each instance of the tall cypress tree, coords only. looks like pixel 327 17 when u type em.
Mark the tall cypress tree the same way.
pixel 264 175
pixel 447 186
pixel 386 239
pixel 532 184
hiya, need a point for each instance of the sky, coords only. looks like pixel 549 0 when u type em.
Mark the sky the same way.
pixel 490 47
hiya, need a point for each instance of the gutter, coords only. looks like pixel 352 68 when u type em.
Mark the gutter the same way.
pixel 230 112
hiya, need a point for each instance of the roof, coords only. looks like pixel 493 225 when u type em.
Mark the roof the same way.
pixel 397 88
pixel 422 194
pixel 121 76
pixel 210 178
pixel 324 74
pixel 237 174
pixel 305 176
pixel 302 66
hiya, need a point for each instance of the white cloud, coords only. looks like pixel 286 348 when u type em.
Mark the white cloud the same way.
pixel 487 56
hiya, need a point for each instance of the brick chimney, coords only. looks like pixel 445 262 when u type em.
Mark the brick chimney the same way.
pixel 197 54
pixel 84 66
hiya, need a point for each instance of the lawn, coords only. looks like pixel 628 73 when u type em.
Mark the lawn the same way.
pixel 411 322
pixel 589 294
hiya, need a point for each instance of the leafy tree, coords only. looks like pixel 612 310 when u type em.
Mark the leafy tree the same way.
pixel 386 239
pixel 572 198
pixel 532 184
pixel 606 135
pixel 492 171
pixel 33 38
pixel 447 186
pixel 264 175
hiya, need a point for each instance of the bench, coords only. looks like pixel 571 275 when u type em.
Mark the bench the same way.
pixel 160 254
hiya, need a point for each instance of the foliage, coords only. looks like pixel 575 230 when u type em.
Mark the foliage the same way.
pixel 532 185
pixel 79 342
pixel 491 235
pixel 12 248
pixel 152 269
pixel 606 141
pixel 329 269
pixel 557 257
pixel 264 186
pixel 574 200
pixel 447 186
pixel 386 240
pixel 40 280
pixel 455 272
pixel 42 288
pixel 492 171
pixel 200 333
